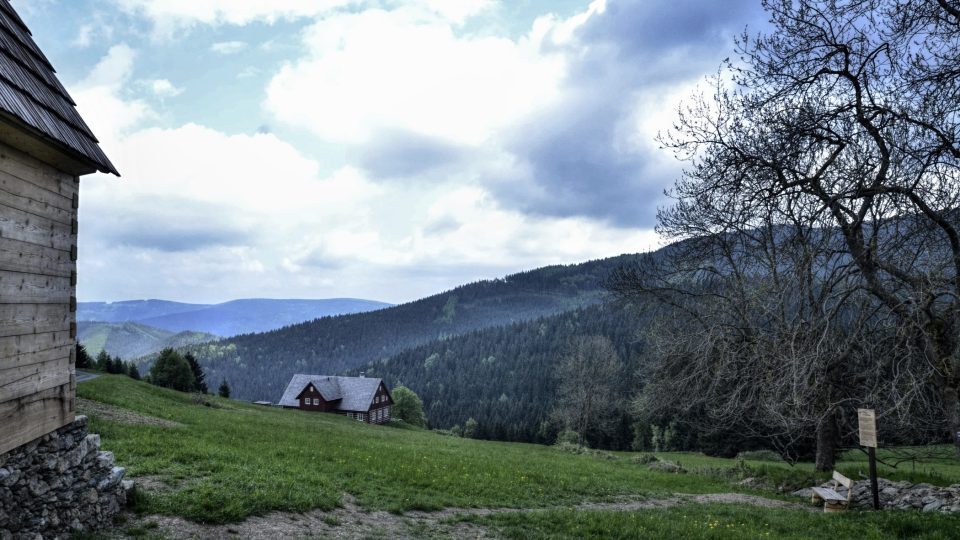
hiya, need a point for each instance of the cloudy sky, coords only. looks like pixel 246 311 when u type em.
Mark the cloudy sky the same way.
pixel 382 149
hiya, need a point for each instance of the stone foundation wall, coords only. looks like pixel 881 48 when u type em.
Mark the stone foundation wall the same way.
pixel 58 484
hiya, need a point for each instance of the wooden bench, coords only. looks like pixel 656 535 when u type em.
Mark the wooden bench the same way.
pixel 833 501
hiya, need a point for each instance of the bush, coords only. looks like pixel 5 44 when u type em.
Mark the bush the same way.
pixel 172 371
pixel 667 466
pixel 408 406
pixel 644 459
pixel 760 455
pixel 567 436
pixel 574 448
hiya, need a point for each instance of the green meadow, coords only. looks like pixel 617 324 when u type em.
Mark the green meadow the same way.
pixel 225 460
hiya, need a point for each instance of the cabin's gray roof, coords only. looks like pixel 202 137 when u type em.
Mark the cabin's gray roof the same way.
pixel 30 92
pixel 355 393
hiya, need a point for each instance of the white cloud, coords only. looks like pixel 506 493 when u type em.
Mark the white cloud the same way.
pixel 248 72
pixel 170 16
pixel 203 215
pixel 162 88
pixel 84 36
pixel 377 70
pixel 100 101
pixel 228 47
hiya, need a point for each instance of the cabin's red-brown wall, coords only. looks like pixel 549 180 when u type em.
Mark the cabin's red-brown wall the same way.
pixel 311 394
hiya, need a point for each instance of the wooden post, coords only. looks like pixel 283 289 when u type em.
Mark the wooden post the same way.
pixel 868 437
pixel 872 456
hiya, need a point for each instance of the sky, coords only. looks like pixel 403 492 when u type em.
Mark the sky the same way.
pixel 379 149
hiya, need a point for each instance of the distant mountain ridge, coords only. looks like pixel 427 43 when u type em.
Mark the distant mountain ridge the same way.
pixel 226 319
pixel 130 340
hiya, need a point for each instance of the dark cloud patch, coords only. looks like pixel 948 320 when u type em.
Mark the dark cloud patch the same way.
pixel 442 226
pixel 320 260
pixel 170 224
pixel 641 29
pixel 579 159
pixel 177 239
pixel 400 154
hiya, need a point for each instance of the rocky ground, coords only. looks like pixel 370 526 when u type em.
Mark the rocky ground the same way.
pixel 901 496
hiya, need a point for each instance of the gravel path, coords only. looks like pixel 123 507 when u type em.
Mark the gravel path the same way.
pixel 353 522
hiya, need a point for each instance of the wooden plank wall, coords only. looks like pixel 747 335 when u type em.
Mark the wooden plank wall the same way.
pixel 38 252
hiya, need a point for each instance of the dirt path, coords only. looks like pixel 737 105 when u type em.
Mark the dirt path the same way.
pixel 353 522
pixel 117 414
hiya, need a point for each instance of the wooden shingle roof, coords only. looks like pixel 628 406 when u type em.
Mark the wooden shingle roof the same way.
pixel 31 93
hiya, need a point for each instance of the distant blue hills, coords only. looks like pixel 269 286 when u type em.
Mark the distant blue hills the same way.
pixel 227 319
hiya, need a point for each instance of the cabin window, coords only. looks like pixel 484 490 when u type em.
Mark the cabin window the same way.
pixel 316 401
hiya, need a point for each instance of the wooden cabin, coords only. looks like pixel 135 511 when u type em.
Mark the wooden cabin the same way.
pixel 45 147
pixel 361 398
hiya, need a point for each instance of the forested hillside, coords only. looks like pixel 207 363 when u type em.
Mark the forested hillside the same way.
pixel 258 366
pixel 131 340
pixel 504 377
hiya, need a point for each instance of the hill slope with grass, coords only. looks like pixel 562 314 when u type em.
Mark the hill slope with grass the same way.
pixel 215 461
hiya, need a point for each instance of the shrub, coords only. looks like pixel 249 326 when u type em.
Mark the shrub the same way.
pixel 172 371
pixel 567 436
pixel 667 466
pixel 644 459
pixel 760 455
pixel 408 406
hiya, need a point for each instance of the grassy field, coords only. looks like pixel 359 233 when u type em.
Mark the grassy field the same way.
pixel 226 460
pixel 718 521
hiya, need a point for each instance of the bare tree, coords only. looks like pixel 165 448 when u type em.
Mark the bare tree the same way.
pixel 589 377
pixel 762 328
pixel 847 118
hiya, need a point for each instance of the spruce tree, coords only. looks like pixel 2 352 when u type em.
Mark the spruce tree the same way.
pixel 103 361
pixel 224 390
pixel 83 358
pixel 198 375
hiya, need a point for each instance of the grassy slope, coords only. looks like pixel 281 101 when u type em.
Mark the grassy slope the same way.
pixel 238 460
pixel 716 521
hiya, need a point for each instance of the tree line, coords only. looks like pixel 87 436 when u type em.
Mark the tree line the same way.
pixel 171 369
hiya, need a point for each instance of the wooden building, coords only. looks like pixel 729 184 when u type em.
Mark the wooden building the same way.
pixel 360 398
pixel 44 149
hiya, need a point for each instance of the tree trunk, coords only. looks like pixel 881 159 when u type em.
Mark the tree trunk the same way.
pixel 951 409
pixel 827 438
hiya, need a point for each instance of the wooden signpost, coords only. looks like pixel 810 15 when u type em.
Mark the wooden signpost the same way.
pixel 868 438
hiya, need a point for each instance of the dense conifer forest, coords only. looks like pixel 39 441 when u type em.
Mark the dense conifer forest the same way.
pixel 258 366
pixel 505 377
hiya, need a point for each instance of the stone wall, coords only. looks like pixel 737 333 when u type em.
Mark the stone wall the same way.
pixel 57 484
